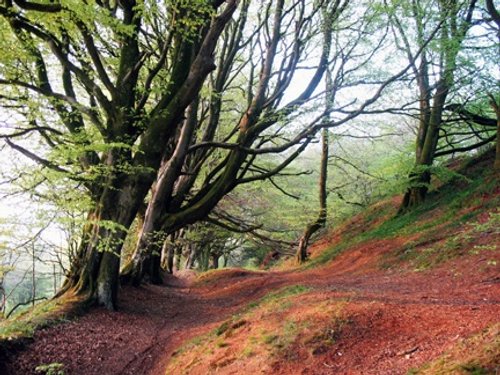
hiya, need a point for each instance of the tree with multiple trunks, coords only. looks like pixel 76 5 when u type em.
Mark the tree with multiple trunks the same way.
pixel 105 85
pixel 436 74
pixel 199 172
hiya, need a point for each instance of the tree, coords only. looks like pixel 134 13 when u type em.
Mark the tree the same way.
pixel 171 207
pixel 321 219
pixel 496 107
pixel 493 12
pixel 266 118
pixel 118 95
pixel 453 20
pixel 322 183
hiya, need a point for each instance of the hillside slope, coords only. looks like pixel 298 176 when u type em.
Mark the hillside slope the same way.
pixel 418 293
pixel 383 294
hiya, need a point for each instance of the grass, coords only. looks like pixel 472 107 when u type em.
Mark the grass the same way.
pixel 243 336
pixel 330 253
pixel 212 276
pixel 316 329
pixel 278 296
pixel 431 249
pixel 275 300
pixel 288 333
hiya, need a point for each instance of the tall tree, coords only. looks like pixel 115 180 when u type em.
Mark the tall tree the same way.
pixel 290 29
pixel 453 18
pixel 322 216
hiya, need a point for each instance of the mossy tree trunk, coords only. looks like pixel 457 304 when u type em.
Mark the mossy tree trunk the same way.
pixel 95 272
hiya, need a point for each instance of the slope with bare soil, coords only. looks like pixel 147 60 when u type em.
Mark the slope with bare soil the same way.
pixel 381 295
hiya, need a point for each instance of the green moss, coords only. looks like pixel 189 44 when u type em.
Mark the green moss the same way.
pixel 42 315
pixel 50 369
pixel 330 253
pixel 227 328
pixel 269 338
pixel 222 328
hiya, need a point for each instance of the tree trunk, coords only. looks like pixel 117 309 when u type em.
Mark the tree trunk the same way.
pixel 178 257
pixel 155 271
pixel 192 256
pixel 321 220
pixel 169 251
pixel 497 155
pixel 204 259
pixel 96 276
pixel 215 261
pixel 420 178
pixel 95 272
pixel 170 170
pixel 453 29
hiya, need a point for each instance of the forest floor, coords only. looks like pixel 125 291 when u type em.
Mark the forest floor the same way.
pixel 388 322
pixel 381 295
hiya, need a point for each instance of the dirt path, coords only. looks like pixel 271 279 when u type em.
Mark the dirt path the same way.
pixel 402 311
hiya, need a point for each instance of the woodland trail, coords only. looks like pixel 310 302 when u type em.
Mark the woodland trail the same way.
pixel 400 319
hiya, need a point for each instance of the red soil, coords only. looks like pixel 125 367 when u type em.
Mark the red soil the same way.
pixel 397 320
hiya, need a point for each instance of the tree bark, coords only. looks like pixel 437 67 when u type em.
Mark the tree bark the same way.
pixel 169 253
pixel 178 258
pixel 193 253
pixel 95 273
pixel 151 234
pixel 420 178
